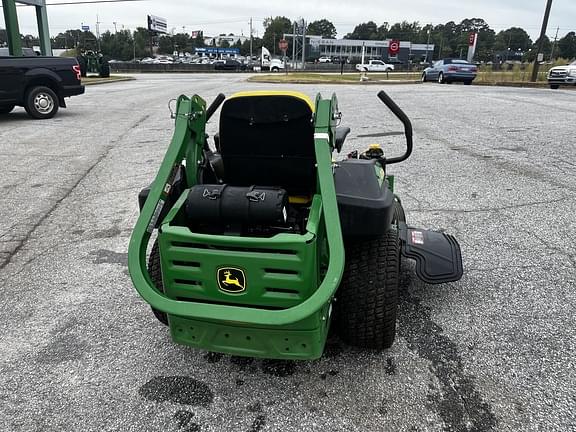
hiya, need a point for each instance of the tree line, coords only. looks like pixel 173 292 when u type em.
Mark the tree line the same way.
pixel 449 39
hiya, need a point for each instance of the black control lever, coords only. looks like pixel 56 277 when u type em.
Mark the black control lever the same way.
pixel 397 111
pixel 214 106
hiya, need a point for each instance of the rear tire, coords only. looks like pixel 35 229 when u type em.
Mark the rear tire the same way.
pixel 441 78
pixel 41 102
pixel 6 109
pixel 156 275
pixel 468 82
pixel 554 86
pixel 367 299
pixel 399 215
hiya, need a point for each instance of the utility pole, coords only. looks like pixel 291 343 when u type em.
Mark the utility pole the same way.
pixel 250 38
pixel 541 40
pixel 115 29
pixel 294 45
pixel 303 44
pixel 428 45
pixel 98 31
pixel 554 44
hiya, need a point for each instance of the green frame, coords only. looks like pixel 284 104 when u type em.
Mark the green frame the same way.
pixel 13 30
pixel 296 332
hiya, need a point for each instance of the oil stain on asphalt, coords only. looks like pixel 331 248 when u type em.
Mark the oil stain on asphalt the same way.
pixel 104 256
pixel 457 401
pixel 177 389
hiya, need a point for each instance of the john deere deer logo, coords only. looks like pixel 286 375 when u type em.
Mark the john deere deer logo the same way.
pixel 231 280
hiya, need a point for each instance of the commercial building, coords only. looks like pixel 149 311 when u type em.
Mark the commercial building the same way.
pixel 317 46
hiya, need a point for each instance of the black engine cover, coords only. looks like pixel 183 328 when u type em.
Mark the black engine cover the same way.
pixel 365 203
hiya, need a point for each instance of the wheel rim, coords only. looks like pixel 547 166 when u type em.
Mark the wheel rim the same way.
pixel 423 77
pixel 43 103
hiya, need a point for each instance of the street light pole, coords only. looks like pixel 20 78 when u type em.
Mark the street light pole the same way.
pixel 428 45
pixel 541 40
pixel 250 38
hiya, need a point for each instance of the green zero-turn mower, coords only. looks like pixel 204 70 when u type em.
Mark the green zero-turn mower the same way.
pixel 92 62
pixel 263 241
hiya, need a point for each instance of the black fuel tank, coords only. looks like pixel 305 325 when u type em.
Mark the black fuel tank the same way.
pixel 365 203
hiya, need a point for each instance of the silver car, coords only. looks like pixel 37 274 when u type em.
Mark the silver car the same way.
pixel 450 70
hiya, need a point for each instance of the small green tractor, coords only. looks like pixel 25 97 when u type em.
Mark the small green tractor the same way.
pixel 92 62
pixel 263 242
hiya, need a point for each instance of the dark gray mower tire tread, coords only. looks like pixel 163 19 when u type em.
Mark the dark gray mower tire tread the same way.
pixel 367 300
pixel 399 215
pixel 156 276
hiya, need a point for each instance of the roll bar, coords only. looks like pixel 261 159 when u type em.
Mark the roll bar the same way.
pixel 401 115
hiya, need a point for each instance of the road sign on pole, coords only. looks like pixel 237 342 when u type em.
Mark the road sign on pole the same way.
pixel 472 42
pixel 283 45
pixel 394 47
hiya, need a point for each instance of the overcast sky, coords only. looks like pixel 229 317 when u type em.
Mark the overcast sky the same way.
pixel 232 16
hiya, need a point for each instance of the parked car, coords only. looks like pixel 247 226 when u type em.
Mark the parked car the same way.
pixel 375 66
pixel 229 64
pixel 39 84
pixel 562 75
pixel 449 71
pixel 324 59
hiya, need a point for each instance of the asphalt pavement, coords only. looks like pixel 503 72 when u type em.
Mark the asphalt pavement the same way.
pixel 80 351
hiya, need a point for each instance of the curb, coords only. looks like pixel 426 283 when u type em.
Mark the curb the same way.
pixel 320 81
pixel 107 81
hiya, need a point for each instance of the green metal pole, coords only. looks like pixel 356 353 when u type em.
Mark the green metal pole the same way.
pixel 11 19
pixel 43 30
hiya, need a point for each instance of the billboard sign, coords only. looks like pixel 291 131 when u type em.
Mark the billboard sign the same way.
pixel 217 51
pixel 85 28
pixel 196 33
pixel 157 24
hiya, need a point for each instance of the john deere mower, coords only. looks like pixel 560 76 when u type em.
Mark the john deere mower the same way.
pixel 92 62
pixel 263 241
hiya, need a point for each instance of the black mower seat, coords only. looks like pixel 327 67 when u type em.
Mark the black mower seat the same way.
pixel 267 139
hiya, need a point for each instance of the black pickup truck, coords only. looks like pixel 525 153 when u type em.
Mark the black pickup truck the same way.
pixel 39 84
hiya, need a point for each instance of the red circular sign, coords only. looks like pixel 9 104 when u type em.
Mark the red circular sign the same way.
pixel 394 46
pixel 283 44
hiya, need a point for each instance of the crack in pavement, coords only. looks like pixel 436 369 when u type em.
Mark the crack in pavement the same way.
pixel 515 167
pixel 492 209
pixel 67 193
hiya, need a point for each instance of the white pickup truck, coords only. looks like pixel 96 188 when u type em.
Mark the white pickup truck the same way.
pixel 562 75
pixel 374 66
